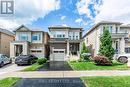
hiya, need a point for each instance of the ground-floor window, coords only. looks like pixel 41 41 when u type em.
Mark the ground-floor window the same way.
pixel 127 49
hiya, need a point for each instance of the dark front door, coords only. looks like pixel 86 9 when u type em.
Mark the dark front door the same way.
pixel 74 48
pixel 18 50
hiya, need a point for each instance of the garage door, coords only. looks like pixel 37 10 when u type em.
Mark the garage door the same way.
pixel 37 53
pixel 58 55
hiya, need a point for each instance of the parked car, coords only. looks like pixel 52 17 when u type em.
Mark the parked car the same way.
pixel 25 59
pixel 4 60
pixel 122 58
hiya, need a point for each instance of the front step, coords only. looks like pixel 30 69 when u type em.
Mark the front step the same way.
pixel 74 57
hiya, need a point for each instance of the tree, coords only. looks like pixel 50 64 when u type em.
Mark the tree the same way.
pixel 106 48
pixel 84 48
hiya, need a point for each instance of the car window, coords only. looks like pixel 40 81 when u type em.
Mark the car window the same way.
pixel 5 56
pixel 2 56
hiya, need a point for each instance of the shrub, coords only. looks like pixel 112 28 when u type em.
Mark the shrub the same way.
pixel 85 57
pixel 102 60
pixel 42 61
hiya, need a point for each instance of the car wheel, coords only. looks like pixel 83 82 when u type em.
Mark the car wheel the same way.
pixel 2 64
pixel 123 59
pixel 18 64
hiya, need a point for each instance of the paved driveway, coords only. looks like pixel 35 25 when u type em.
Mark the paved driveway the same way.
pixel 56 66
pixel 11 68
pixel 50 82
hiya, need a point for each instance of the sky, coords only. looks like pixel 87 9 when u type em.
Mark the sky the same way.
pixel 41 14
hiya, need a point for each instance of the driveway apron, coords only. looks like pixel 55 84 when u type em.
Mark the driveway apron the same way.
pixel 56 66
pixel 50 82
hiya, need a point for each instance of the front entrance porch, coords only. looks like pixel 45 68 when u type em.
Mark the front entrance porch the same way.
pixel 18 48
pixel 73 50
pixel 119 45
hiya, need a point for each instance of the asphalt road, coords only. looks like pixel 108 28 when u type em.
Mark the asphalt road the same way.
pixel 50 82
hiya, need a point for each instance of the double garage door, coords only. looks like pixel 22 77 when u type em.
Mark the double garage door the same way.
pixel 58 55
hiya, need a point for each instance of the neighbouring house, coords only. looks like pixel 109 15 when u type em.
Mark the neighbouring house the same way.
pixel 65 43
pixel 120 36
pixel 5 38
pixel 30 41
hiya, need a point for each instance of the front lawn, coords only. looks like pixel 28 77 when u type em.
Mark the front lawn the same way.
pixel 8 82
pixel 33 67
pixel 92 66
pixel 107 81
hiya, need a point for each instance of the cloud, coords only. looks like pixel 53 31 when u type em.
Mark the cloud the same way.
pixel 63 17
pixel 83 7
pixel 81 21
pixel 109 10
pixel 64 25
pixel 27 11
pixel 114 10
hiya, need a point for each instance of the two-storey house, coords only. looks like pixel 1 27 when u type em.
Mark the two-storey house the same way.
pixel 65 43
pixel 120 36
pixel 30 41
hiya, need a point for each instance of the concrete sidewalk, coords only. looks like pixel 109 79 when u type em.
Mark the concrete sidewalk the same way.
pixel 61 74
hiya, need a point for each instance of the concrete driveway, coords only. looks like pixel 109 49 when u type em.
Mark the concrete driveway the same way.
pixel 11 68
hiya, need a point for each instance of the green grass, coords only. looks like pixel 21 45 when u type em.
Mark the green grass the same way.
pixel 8 82
pixel 92 66
pixel 33 67
pixel 108 81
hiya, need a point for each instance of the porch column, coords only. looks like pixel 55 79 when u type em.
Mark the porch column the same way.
pixel 80 47
pixel 25 49
pixel 12 50
pixel 122 45
pixel 68 49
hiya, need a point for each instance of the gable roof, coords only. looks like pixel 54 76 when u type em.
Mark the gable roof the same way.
pixel 27 29
pixel 102 22
pixel 6 32
pixel 22 26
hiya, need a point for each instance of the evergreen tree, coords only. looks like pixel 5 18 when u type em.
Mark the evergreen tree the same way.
pixel 106 48
pixel 84 48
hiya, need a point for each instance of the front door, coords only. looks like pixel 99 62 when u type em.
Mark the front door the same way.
pixel 18 50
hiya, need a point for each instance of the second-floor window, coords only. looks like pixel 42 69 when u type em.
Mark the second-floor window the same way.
pixel 110 29
pixel 58 34
pixel 24 37
pixel 36 37
pixel 74 35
